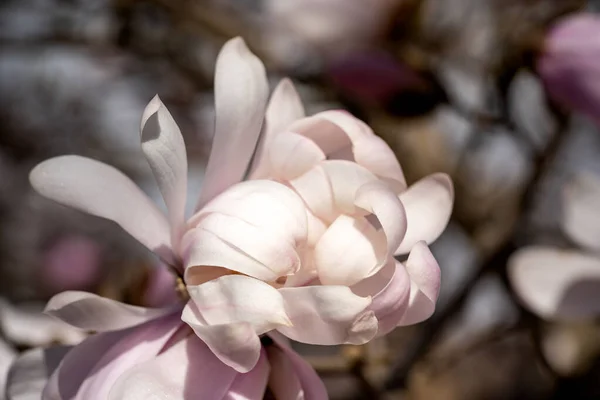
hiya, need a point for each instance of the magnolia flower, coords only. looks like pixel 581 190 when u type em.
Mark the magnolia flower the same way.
pixel 569 61
pixel 306 250
pixel 563 285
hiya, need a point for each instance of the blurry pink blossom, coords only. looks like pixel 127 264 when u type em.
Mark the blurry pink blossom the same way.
pixel 72 263
pixel 304 248
pixel 570 63
pixel 560 284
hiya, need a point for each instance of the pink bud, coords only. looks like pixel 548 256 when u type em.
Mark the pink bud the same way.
pixel 570 63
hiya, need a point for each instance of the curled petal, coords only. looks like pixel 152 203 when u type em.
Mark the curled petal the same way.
pixel 330 188
pixel 230 312
pixel 290 155
pixel 241 92
pixel 339 133
pixel 253 228
pixel 164 149
pixel 557 284
pixel 390 291
pixel 188 370
pixel 264 203
pixel 232 243
pixel 101 190
pixel 581 215
pixel 251 385
pixel 90 369
pixel 91 312
pixel 424 273
pixel 284 108
pixel 352 249
pixel 287 368
pixel 428 205
pixel 327 315
pixel 379 199
pixel 236 345
pixel 238 298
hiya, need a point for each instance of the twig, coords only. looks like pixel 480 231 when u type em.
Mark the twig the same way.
pixel 496 261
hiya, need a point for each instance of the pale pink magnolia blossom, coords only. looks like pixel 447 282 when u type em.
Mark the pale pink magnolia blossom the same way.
pixel 559 284
pixel 139 351
pixel 360 212
pixel 257 256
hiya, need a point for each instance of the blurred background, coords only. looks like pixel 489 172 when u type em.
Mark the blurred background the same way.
pixel 503 95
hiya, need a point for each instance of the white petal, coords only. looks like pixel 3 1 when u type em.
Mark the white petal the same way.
pixel 290 155
pixel 164 149
pixel 379 199
pixel 581 211
pixel 91 312
pixel 241 92
pixel 255 228
pixel 330 188
pixel 284 108
pixel 336 132
pixel 350 250
pixel 428 205
pixel 238 298
pixel 557 284
pixel 328 315
pixel 229 313
pixel 425 276
pixel 101 190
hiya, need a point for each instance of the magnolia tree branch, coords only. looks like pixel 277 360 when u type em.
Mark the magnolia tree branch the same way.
pixel 434 327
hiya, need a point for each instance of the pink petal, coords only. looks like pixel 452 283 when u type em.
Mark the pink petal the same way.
pixel 283 382
pixel 335 131
pixel 101 190
pixel 188 370
pixel 29 374
pixel 237 298
pixel 390 290
pixel 428 205
pixel 330 188
pixel 164 149
pixel 235 345
pixel 581 214
pixel 284 108
pixel 241 92
pixel 378 198
pixel 225 241
pixel 289 155
pixel 254 227
pixel 230 312
pixel 90 369
pixel 251 385
pixel 327 315
pixel 91 312
pixel 351 250
pixel 425 275
pixel 557 284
